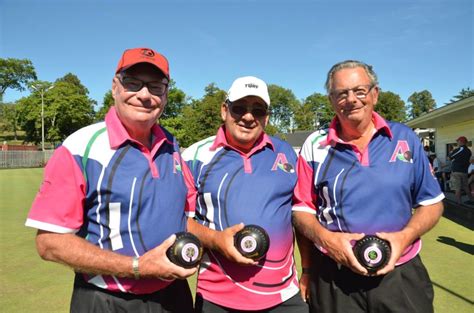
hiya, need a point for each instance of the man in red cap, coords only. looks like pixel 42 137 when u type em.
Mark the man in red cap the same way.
pixel 113 196
pixel 460 163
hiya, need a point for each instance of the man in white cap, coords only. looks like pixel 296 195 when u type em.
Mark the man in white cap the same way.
pixel 244 176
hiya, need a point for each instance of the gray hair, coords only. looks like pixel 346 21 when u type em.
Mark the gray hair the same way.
pixel 350 64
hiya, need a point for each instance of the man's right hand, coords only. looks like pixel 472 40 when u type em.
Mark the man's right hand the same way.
pixel 155 263
pixel 339 248
pixel 224 244
pixel 220 241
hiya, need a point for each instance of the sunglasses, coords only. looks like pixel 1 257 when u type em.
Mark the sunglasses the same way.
pixel 240 110
pixel 157 88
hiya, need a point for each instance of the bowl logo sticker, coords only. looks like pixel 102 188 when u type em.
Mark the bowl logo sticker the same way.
pixel 248 244
pixel 373 255
pixel 190 252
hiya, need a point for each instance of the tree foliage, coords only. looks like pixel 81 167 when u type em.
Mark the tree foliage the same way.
pixel 15 74
pixel 391 107
pixel 283 103
pixel 202 117
pixel 313 112
pixel 421 102
pixel 65 111
pixel 107 102
pixel 463 94
pixel 10 116
pixel 176 101
pixel 74 81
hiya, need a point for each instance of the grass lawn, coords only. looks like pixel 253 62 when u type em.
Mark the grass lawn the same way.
pixel 28 284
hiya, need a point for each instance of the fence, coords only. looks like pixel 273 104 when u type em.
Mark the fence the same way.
pixel 16 159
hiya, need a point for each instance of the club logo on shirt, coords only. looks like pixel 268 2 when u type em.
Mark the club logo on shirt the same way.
pixel 402 152
pixel 176 162
pixel 282 163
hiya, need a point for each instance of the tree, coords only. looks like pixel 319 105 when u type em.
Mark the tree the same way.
pixel 313 112
pixel 74 81
pixel 15 74
pixel 65 111
pixel 176 101
pixel 107 102
pixel 200 119
pixel 391 107
pixel 283 103
pixel 10 118
pixel 421 102
pixel 463 94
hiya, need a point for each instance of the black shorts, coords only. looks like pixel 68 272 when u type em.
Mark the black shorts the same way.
pixel 292 305
pixel 176 298
pixel 334 288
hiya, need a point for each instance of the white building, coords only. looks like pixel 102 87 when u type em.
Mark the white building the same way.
pixel 449 123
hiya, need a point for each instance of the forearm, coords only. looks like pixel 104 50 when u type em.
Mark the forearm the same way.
pixel 205 234
pixel 304 246
pixel 307 225
pixel 81 255
pixel 220 241
pixel 424 219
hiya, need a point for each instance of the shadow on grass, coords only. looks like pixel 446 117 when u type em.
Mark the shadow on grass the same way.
pixel 453 293
pixel 460 245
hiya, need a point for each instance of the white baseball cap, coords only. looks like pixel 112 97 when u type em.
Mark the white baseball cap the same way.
pixel 248 86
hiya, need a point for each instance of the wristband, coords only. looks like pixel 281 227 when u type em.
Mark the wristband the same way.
pixel 136 271
pixel 306 270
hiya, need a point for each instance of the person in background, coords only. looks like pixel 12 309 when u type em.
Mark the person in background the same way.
pixel 459 164
pixel 244 176
pixel 470 179
pixel 446 168
pixel 114 193
pixel 364 176
pixel 437 170
pixel 427 151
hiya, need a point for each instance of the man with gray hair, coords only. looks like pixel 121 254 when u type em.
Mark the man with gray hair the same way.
pixel 359 181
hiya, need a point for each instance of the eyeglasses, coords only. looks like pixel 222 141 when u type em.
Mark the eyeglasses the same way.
pixel 157 88
pixel 360 92
pixel 240 110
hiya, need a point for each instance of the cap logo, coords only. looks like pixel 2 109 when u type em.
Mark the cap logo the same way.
pixel 148 53
pixel 251 85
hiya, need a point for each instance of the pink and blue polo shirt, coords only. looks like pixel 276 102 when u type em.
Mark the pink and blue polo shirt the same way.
pixel 367 191
pixel 104 186
pixel 253 188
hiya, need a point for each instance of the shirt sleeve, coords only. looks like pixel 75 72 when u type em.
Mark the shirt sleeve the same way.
pixel 304 197
pixel 58 206
pixel 192 192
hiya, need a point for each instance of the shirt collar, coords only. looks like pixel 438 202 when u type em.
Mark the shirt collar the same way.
pixel 118 133
pixel 221 141
pixel 379 123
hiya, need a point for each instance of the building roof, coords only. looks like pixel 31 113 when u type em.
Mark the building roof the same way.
pixel 453 113
pixel 297 138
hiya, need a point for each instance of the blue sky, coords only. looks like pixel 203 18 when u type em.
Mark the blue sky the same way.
pixel 412 44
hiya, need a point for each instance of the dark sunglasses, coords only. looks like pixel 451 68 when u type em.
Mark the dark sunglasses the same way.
pixel 157 88
pixel 241 110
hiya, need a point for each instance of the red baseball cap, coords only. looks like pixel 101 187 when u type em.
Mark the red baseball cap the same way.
pixel 143 55
pixel 462 138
